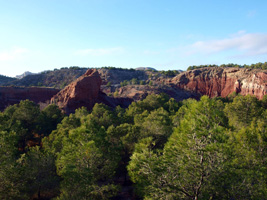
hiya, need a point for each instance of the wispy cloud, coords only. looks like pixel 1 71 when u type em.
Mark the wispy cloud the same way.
pixel 100 52
pixel 244 43
pixel 12 54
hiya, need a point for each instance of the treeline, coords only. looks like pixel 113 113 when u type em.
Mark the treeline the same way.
pixel 207 149
pixel 252 66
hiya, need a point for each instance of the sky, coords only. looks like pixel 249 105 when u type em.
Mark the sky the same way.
pixel 39 35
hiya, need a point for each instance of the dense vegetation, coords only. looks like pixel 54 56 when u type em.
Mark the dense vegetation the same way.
pixel 206 149
pixel 252 66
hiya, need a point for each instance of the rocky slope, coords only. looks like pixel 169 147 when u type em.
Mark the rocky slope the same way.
pixel 218 81
pixel 59 78
pixel 138 92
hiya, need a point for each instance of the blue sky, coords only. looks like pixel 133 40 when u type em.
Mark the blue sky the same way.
pixel 38 35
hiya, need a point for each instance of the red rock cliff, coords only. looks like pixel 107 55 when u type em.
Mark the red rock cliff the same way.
pixel 82 92
pixel 13 95
pixel 223 81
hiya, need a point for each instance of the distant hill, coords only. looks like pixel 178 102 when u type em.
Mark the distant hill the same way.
pixel 24 74
pixel 146 68
pixel 5 79
pixel 59 78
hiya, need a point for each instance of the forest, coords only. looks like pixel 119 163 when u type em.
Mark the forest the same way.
pixel 211 148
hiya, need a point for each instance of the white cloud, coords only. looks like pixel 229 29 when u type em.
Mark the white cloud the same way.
pixel 246 44
pixel 239 33
pixel 12 54
pixel 100 52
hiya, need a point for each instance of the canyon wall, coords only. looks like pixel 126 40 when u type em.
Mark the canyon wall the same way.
pixel 215 81
pixel 13 95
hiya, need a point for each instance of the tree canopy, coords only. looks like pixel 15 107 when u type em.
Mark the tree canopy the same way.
pixel 194 149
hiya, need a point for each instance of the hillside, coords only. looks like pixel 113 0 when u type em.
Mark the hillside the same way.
pixel 56 79
pixel 59 78
pixel 5 79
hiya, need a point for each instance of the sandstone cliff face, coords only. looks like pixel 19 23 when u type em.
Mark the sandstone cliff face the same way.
pixel 223 81
pixel 82 92
pixel 13 95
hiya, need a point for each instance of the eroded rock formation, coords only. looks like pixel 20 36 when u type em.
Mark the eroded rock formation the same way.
pixel 85 91
pixel 223 81
pixel 82 92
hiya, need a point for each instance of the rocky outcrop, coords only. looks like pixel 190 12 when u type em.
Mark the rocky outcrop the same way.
pixel 82 92
pixel 85 91
pixel 217 81
pixel 13 95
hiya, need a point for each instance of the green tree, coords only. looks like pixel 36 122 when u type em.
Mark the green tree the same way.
pixel 151 102
pixel 124 83
pixel 86 155
pixel 39 173
pixel 242 110
pixel 190 161
pixel 157 125
pixel 83 165
pixel 142 165
pixel 11 182
pixel 134 81
pixel 172 106
pixel 49 118
pixel 264 102
pixel 55 140
pixel 248 169
pixel 22 118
